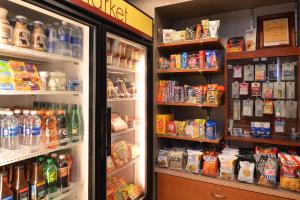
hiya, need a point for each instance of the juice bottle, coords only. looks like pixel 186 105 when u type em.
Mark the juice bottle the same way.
pixel 69 160
pixel 62 127
pixel 27 170
pixel 19 185
pixel 5 192
pixel 37 182
pixel 10 175
pixel 74 124
pixel 63 172
pixel 51 174
pixel 50 128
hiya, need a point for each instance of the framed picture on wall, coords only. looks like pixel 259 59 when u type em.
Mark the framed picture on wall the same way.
pixel 276 30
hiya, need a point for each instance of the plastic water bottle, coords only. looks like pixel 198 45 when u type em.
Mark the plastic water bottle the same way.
pixel 21 125
pixel 33 129
pixel 76 42
pixel 51 33
pixel 2 115
pixel 64 39
pixel 10 131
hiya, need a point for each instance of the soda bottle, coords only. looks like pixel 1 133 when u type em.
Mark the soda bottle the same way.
pixel 50 129
pixel 10 131
pixel 51 174
pixel 69 159
pixel 22 127
pixel 62 127
pixel 76 42
pixel 74 124
pixel 43 162
pixel 37 182
pixel 33 129
pixel 63 172
pixel 19 184
pixel 5 192
pixel 64 39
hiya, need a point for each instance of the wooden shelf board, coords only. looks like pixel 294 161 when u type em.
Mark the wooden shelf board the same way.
pixel 270 52
pixel 277 141
pixel 233 184
pixel 179 71
pixel 189 104
pixel 216 141
pixel 211 43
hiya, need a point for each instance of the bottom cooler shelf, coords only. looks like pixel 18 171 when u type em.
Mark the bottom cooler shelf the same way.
pixel 67 193
pixel 213 187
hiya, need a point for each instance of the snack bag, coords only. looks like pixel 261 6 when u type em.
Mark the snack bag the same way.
pixel 227 165
pixel 171 129
pixel 161 123
pixel 163 158
pixel 120 153
pixel 290 172
pixel 161 92
pixel 110 166
pixel 135 192
pixel 210 164
pixel 180 125
pixel 189 129
pixel 202 129
pixel 246 172
pixel 267 151
pixel 6 82
pixel 266 170
pixel 177 159
pixel 193 161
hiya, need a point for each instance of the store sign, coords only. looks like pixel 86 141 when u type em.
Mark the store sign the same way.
pixel 119 11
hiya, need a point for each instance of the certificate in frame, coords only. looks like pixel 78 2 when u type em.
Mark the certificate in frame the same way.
pixel 276 30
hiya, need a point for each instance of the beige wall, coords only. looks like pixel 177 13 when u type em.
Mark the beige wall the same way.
pixel 148 5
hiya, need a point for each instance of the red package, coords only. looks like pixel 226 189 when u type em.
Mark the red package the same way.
pixel 210 164
pixel 171 129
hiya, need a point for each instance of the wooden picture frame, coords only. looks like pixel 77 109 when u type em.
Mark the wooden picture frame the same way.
pixel 276 30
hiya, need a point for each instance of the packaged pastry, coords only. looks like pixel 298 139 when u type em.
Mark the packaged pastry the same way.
pixel 163 158
pixel 246 171
pixel 6 82
pixel 135 192
pixel 202 129
pixel 161 123
pixel 210 164
pixel 193 161
pixel 110 166
pixel 180 125
pixel 116 188
pixel 177 159
pixel 227 165
pixel 214 28
pixel 117 123
pixel 120 153
pixel 266 170
pixel 289 175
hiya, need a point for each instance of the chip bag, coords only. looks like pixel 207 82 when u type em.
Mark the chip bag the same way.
pixel 266 170
pixel 210 163
pixel 246 172
pixel 193 161
pixel 290 172
pixel 120 153
pixel 227 166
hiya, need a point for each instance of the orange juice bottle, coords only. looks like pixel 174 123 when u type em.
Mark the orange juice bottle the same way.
pixel 50 128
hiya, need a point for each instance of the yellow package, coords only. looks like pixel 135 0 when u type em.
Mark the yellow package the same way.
pixel 25 76
pixel 201 127
pixel 161 123
pixel 5 76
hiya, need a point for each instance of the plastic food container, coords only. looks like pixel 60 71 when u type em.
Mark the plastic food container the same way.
pixel 44 75
pixel 57 81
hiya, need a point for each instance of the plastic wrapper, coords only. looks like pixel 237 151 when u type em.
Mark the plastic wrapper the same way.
pixel 116 188
pixel 193 161
pixel 6 82
pixel 171 129
pixel 135 192
pixel 120 153
pixel 266 170
pixel 189 129
pixel 290 172
pixel 177 159
pixel 163 158
pixel 110 166
pixel 210 164
pixel 180 125
pixel 227 166
pixel 246 171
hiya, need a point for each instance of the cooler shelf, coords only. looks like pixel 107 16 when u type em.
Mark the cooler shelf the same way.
pixel 12 156
pixel 113 69
pixel 125 131
pixel 38 92
pixel 30 54
pixel 133 161
pixel 66 193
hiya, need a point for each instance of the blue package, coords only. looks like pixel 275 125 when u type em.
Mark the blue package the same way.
pixel 184 62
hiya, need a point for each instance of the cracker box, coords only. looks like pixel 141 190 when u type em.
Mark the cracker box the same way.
pixel 161 123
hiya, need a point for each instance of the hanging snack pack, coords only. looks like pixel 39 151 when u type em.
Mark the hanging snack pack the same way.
pixel 279 90
pixel 210 164
pixel 236 110
pixel 288 72
pixel 255 89
pixel 290 90
pixel 268 107
pixel 272 72
pixel 289 175
pixel 237 71
pixel 260 72
pixel 258 108
pixel 193 161
pixel 244 88
pixel 248 108
pixel 279 107
pixel 248 73
pixel 235 89
pixel 267 90
pixel 6 82
pixel 279 125
pixel 291 109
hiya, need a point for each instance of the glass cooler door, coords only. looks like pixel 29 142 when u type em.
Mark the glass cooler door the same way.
pixel 126 92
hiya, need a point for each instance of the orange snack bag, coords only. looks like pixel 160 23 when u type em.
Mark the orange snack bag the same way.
pixel 210 164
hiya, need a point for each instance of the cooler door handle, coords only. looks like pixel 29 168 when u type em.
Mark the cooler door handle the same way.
pixel 103 133
pixel 108 130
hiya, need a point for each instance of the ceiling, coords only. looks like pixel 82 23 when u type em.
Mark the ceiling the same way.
pixel 198 8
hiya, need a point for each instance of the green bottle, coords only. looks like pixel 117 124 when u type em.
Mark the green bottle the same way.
pixel 74 123
pixel 51 173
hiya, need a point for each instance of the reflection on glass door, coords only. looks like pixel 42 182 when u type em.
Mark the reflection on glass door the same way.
pixel 126 93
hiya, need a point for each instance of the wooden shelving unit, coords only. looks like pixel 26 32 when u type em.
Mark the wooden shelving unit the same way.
pixel 211 43
pixel 232 184
pixel 207 105
pixel 270 52
pixel 183 71
pixel 216 141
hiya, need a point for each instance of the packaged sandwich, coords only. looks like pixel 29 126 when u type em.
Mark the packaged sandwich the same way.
pixel 120 153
